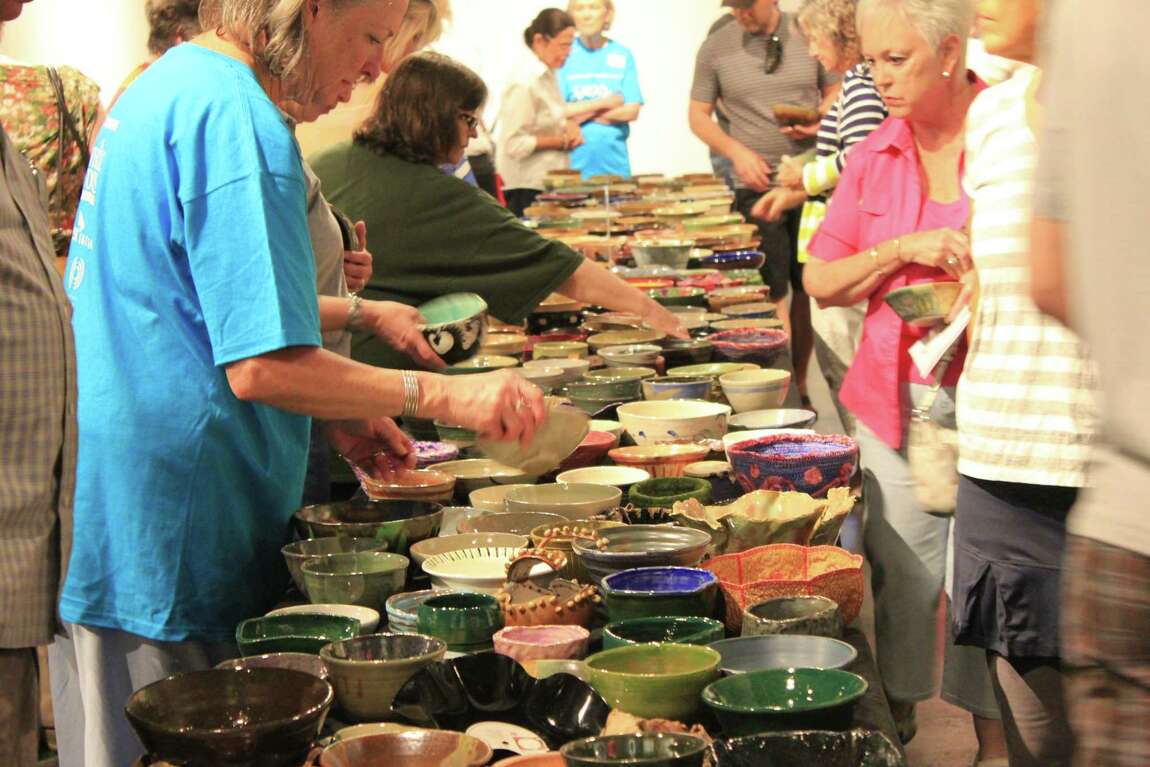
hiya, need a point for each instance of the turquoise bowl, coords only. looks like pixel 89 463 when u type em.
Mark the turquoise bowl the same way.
pixel 455 325
pixel 676 629
pixel 293 633
pixel 785 699
pixel 651 592
pixel 365 578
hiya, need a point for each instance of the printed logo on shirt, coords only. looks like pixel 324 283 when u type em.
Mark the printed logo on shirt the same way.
pixel 590 92
pixel 616 61
pixel 76 273
pixel 78 234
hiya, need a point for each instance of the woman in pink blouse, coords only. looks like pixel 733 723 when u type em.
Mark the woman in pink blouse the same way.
pixel 897 218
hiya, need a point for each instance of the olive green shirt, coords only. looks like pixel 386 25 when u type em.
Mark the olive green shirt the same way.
pixel 432 234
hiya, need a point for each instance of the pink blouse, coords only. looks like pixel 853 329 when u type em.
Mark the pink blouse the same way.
pixel 880 197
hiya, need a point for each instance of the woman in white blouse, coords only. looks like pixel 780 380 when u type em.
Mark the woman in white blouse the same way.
pixel 537 128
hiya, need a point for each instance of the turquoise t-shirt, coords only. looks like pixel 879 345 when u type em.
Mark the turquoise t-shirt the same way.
pixel 190 251
pixel 595 74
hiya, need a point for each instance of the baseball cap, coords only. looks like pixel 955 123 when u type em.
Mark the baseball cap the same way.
pixel 738 3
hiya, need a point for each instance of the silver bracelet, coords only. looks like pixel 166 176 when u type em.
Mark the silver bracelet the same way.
pixel 354 312
pixel 410 395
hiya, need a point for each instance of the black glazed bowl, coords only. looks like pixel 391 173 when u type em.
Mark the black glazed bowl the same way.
pixel 484 687
pixel 258 717
pixel 809 748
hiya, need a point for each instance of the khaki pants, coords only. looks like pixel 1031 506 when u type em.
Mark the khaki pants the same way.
pixel 19 708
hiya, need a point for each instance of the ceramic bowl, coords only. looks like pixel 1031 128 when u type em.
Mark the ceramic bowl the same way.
pixel 615 476
pixel 453 517
pixel 732 260
pixel 624 337
pixel 429 452
pixel 620 373
pixel 455 325
pixel 759 653
pixel 562 537
pixel 924 304
pixel 398 523
pixel 590 451
pixel 366 672
pixel 761 347
pixel 630 355
pixel 667 421
pixel 677 388
pixel 672 253
pixel 752 310
pixel 665 492
pixel 293 633
pixel 614 388
pixel 457 436
pixel 611 427
pixel 744 323
pixel 782 418
pixel 546 759
pixel 607 321
pixel 785 699
pixel 572 370
pixel 489 500
pixel 474 473
pixel 806 615
pixel 481 363
pixel 723 298
pixel 297 661
pixel 367 617
pixel 625 548
pixel 406 484
pixel 572 350
pixel 364 578
pixel 707 221
pixel 681 629
pixel 443 544
pixel 678 352
pixel 573 501
pixel 719 475
pixel 489 687
pixel 411 748
pixel 401 609
pixel 652 283
pixel 750 390
pixel 462 620
pixel 659 460
pixel 640 750
pixel 504 344
pixel 808 463
pixel 482 570
pixel 679 296
pixel 515 522
pixel 810 748
pixel 710 370
pixel 528 643
pixel 784 570
pixel 228 718
pixel 545 377
pixel 657 680
pixel 299 552
pixel 557 437
pixel 652 592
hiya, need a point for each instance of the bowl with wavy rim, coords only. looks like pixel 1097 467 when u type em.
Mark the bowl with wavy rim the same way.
pixel 677 629
pixel 367 671
pixel 809 748
pixel 455 325
pixel 772 651
pixel 784 699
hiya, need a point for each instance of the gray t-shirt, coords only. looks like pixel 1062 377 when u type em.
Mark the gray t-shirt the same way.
pixel 327 242
pixel 731 65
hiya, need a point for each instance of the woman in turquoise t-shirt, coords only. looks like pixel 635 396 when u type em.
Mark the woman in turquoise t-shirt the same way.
pixel 597 68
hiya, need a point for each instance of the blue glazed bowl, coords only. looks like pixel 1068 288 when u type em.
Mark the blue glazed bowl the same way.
pixel 725 260
pixel 648 592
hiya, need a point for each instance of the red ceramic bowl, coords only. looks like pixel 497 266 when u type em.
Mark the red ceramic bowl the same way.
pixel 591 450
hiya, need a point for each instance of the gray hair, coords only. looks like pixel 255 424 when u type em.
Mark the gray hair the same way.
pixel 422 26
pixel 935 20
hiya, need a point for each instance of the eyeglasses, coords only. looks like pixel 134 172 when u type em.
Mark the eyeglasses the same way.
pixel 774 54
pixel 471 120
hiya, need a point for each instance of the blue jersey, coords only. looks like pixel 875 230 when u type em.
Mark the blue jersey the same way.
pixel 589 75
pixel 190 251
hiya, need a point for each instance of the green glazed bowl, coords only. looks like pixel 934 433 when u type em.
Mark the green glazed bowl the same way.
pixel 368 671
pixel 365 578
pixel 293 633
pixel 613 388
pixel 785 699
pixel 299 552
pixel 677 629
pixel 462 620
pixel 649 749
pixel 658 680
pixel 663 492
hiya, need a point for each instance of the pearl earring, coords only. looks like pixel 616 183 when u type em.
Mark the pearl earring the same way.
pixel 946 74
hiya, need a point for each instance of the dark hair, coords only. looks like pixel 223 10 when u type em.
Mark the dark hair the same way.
pixel 169 19
pixel 549 22
pixel 416 114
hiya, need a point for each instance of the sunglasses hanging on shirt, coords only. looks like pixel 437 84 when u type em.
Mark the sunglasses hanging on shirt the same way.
pixel 774 54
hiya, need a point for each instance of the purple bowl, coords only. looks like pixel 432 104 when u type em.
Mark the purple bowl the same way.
pixel 806 463
pixel 758 345
pixel 427 453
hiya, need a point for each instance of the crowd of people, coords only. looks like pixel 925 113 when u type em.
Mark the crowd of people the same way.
pixel 231 312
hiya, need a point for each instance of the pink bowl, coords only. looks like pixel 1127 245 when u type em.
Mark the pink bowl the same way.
pixel 592 449
pixel 548 642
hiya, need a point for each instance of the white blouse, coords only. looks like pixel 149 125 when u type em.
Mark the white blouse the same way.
pixel 532 106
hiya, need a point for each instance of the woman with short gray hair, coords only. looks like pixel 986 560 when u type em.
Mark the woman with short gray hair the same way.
pixel 193 286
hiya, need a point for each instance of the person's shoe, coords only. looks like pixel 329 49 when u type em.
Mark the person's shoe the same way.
pixel 806 403
pixel 905 723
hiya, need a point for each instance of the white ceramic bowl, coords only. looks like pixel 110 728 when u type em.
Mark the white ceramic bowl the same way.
pixel 492 498
pixel 673 420
pixel 573 370
pixel 481 569
pixel 545 377
pixel 574 501
pixel 473 474
pixel 756 389
pixel 367 617
pixel 611 427
pixel 615 476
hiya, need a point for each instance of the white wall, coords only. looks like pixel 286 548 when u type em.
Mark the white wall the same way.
pixel 106 38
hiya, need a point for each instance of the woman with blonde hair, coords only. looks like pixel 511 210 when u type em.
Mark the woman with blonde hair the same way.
pixel 193 287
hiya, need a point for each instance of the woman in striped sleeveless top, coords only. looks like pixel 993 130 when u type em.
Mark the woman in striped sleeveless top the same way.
pixel 1026 416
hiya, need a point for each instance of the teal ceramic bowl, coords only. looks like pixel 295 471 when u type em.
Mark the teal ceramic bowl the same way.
pixel 661 749
pixel 663 492
pixel 785 699
pixel 365 578
pixel 680 629
pixel 651 592
pixel 455 325
pixel 299 552
pixel 464 620
pixel 293 633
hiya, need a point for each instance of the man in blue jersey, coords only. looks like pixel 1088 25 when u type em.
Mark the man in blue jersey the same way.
pixel 597 68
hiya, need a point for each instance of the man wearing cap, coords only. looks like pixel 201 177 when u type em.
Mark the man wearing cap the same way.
pixel 753 65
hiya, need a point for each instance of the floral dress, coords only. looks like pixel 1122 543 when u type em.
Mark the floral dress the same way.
pixel 28 111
